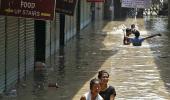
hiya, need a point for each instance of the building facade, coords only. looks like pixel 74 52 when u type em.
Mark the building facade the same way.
pixel 24 41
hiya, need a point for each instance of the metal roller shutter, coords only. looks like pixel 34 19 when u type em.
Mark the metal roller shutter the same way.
pixel 82 14
pixel 12 50
pixel 48 40
pixel 71 26
pixel 57 31
pixel 74 22
pixel 85 11
pixel 29 44
pixel 88 12
pixel 52 42
pixel 2 53
pixel 56 35
pixel 22 48
pixel 52 39
pixel 99 11
pixel 67 28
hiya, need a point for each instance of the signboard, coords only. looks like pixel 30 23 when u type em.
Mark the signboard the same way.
pixel 38 9
pixel 136 3
pixel 127 3
pixel 147 4
pixel 95 0
pixel 66 6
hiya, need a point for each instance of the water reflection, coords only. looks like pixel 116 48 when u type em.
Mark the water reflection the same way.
pixel 61 61
pixel 141 73
pixel 160 25
pixel 156 24
pixel 40 81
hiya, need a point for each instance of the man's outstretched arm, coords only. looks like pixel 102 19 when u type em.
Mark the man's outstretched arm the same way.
pixel 153 36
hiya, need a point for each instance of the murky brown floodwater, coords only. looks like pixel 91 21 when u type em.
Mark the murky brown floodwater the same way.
pixel 141 73
pixel 137 73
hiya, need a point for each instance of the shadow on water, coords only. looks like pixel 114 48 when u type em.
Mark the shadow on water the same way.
pixel 162 52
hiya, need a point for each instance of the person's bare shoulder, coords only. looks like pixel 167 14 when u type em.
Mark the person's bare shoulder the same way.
pixel 83 98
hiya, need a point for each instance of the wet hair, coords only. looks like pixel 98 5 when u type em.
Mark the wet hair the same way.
pixel 100 73
pixel 128 30
pixel 94 81
pixel 137 34
pixel 133 26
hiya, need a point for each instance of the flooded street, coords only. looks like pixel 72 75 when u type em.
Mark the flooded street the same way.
pixel 137 73
pixel 141 73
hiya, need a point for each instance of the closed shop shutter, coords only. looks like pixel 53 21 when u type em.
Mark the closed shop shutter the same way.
pixel 71 26
pixel 57 36
pixel 75 21
pixel 22 45
pixel 82 14
pixel 87 13
pixel 54 26
pixel 57 30
pixel 29 44
pixel 52 39
pixel 19 35
pixel 99 11
pixel 88 17
pixel 12 50
pixel 67 27
pixel 2 53
pixel 48 41
pixel 52 42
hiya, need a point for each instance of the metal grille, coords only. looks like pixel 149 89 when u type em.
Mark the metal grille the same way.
pixel 155 8
pixel 17 46
pixel 2 53
pixel 57 26
pixel 22 47
pixel 29 44
pixel 131 13
pixel 12 50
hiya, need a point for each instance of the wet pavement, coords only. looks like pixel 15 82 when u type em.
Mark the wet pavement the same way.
pixel 137 73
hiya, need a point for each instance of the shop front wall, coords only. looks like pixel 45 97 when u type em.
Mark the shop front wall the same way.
pixel 2 53
pixel 17 50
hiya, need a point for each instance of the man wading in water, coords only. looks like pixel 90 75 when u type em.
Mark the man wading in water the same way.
pixel 136 41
